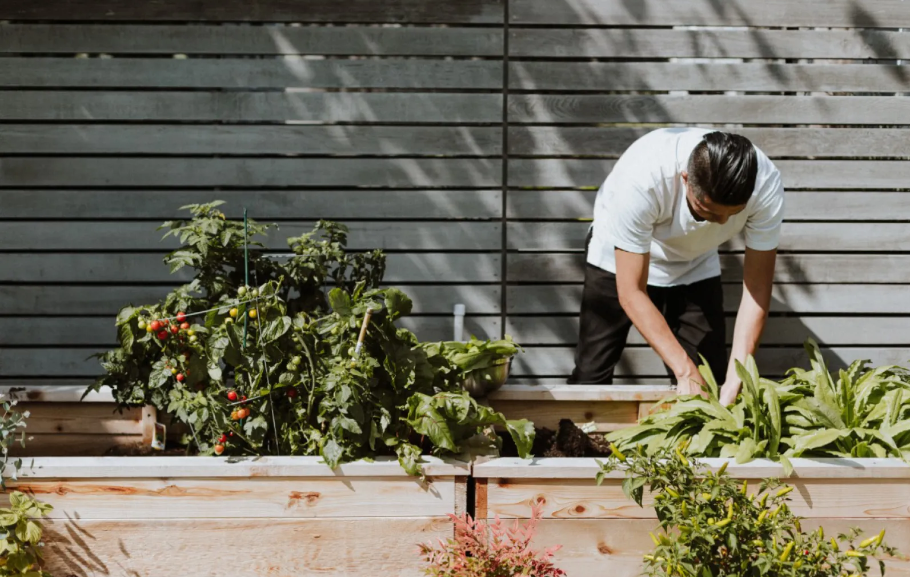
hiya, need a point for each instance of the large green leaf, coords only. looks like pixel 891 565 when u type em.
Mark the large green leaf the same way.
pixel 275 329
pixel 774 420
pixel 397 304
pixel 522 433
pixel 819 439
pixel 340 301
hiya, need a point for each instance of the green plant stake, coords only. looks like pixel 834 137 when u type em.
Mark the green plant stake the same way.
pixel 246 266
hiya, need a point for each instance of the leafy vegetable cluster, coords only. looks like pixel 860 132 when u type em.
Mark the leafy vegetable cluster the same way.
pixel 711 526
pixel 274 368
pixel 863 412
pixel 20 540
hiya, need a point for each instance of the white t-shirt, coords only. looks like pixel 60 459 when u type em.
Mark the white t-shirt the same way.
pixel 641 207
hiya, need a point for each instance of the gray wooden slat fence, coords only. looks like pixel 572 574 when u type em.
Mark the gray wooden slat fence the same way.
pixel 465 138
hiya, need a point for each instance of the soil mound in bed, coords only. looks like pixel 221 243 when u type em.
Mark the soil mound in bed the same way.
pixel 567 441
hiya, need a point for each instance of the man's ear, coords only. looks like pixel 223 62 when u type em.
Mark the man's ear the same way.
pixel 685 177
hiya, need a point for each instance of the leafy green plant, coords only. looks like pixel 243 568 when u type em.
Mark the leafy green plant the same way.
pixel 862 412
pixel 711 527
pixel 476 354
pixel 20 540
pixel 275 368
pixel 483 549
pixel 12 430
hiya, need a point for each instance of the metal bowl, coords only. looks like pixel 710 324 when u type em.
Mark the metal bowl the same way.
pixel 481 382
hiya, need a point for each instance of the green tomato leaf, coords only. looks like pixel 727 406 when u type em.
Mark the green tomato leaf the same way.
pixel 397 304
pixel 522 433
pixel 340 301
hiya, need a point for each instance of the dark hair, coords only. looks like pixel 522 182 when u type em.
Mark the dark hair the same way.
pixel 723 168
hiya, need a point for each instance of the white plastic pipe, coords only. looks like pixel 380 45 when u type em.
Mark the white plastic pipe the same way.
pixel 459 322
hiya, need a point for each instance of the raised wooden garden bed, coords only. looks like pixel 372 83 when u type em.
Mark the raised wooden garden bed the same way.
pixel 271 516
pixel 602 532
pixel 609 407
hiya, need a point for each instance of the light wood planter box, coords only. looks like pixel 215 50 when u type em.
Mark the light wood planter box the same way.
pixel 602 532
pixel 271 516
pixel 609 407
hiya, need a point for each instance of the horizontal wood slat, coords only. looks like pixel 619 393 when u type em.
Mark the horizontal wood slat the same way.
pixel 371 172
pixel 775 142
pixel 800 205
pixel 795 237
pixel 822 13
pixel 334 547
pixel 812 268
pixel 288 72
pixel 253 140
pixel 751 109
pixel 786 298
pixel 61 331
pixel 80 418
pixel 249 106
pixel 588 545
pixel 169 498
pixel 270 39
pixel 432 11
pixel 364 235
pixel 264 205
pixel 641 361
pixel 682 76
pixel 828 174
pixel 742 43
pixel 139 268
pixel 89 300
pixel 827 331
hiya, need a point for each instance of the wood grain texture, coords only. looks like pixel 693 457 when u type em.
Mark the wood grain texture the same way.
pixel 583 499
pixel 785 298
pixel 364 235
pixel 716 43
pixel 829 205
pixel 433 11
pixel 170 498
pixel 795 237
pixel 809 174
pixel 775 142
pixel 589 545
pixel 830 331
pixel 821 13
pixel 81 300
pixel 263 40
pixel 251 140
pixel 270 205
pixel 330 547
pixel 249 172
pixel 575 393
pixel 64 418
pixel 773 362
pixel 751 109
pixel 72 445
pixel 606 416
pixel 288 72
pixel 461 268
pixel 93 331
pixel 164 106
pixel 805 268
pixel 748 77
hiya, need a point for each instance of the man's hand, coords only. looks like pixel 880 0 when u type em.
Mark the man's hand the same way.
pixel 690 382
pixel 729 392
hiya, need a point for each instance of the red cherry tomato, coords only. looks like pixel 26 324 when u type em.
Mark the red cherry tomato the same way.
pixel 292 393
pixel 180 377
pixel 222 439
pixel 232 396
pixel 162 335
pixel 185 326
pixel 219 449
pixel 156 326
pixel 181 316
pixel 175 329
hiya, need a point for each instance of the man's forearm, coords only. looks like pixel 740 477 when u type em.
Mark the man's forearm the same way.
pixel 654 328
pixel 750 322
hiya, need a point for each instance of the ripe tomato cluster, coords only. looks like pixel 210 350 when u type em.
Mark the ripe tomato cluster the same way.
pixel 164 329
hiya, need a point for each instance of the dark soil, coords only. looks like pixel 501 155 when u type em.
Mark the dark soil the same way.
pixel 567 441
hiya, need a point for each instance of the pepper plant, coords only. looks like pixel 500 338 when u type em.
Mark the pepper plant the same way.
pixel 20 537
pixel 274 368
pixel 862 412
pixel 711 526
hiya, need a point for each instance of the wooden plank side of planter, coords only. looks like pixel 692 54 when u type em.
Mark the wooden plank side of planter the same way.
pixel 213 498
pixel 592 546
pixel 231 547
pixel 583 499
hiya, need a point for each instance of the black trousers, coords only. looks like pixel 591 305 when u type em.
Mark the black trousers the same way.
pixel 695 314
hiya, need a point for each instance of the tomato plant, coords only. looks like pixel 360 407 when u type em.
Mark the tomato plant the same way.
pixel 275 366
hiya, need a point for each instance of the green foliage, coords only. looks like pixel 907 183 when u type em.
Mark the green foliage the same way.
pixel 476 354
pixel 12 425
pixel 709 527
pixel 20 540
pixel 862 412
pixel 286 348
